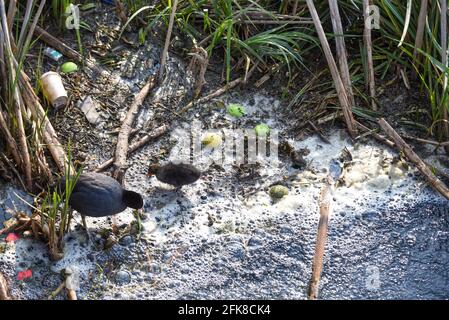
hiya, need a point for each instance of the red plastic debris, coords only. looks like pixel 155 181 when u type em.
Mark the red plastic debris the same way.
pixel 25 274
pixel 12 237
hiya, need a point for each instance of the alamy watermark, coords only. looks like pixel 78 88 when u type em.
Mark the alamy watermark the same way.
pixel 372 20
pixel 372 280
pixel 73 17
pixel 234 147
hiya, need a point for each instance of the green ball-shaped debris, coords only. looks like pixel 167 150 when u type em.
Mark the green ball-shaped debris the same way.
pixel 236 110
pixel 69 67
pixel 262 129
pixel 277 192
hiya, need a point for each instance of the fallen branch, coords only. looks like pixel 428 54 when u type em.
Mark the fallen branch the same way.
pixel 321 238
pixel 4 292
pixel 121 150
pixel 413 157
pixel 256 17
pixel 136 145
pixel 63 48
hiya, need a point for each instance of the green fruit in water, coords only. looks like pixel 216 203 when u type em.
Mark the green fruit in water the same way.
pixel 262 129
pixel 211 140
pixel 277 192
pixel 236 110
pixel 69 67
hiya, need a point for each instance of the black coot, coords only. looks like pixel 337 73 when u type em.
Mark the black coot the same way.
pixel 98 195
pixel 175 174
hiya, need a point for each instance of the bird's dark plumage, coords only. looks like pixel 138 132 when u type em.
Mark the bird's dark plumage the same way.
pixel 176 174
pixel 98 195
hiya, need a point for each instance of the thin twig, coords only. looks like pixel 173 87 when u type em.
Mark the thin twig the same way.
pixel 26 19
pixel 321 238
pixel 433 180
pixel 136 145
pixel 426 141
pixel 373 132
pixel 4 292
pixel 121 150
pixel 167 40
pixel 318 132
pixel 295 7
pixel 57 291
pixel 268 22
pixel 343 98
pixel 443 37
pixel 11 166
pixel 420 29
pixel 34 24
pixel 341 50
pixel 12 8
pixel 369 55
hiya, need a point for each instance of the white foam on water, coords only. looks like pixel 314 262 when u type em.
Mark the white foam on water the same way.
pixel 372 178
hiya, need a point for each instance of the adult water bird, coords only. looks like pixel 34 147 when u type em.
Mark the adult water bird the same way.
pixel 175 174
pixel 98 195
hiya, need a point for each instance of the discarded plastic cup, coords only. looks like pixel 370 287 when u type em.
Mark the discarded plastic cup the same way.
pixel 54 89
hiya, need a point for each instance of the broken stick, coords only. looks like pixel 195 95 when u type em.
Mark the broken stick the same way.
pixel 431 178
pixel 4 294
pixel 121 150
pixel 321 238
pixel 136 145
